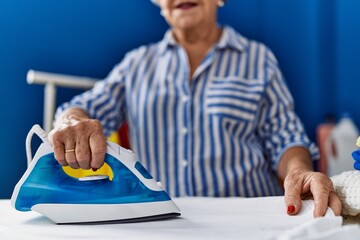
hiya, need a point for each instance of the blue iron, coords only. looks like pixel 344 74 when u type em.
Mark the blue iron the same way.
pixel 131 195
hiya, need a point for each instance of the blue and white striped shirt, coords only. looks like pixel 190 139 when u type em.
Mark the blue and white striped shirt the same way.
pixel 220 133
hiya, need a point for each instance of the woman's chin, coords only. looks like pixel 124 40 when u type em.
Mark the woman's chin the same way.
pixel 186 25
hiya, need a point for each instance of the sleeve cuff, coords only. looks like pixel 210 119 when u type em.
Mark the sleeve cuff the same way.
pixel 311 147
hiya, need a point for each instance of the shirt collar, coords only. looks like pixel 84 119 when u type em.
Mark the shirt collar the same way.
pixel 229 38
pixel 167 42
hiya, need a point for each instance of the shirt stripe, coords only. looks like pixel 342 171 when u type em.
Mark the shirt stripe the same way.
pixel 220 132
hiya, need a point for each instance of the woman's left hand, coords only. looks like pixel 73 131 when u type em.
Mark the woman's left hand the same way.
pixel 304 184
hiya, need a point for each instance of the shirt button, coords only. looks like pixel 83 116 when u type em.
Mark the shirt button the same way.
pixel 185 99
pixel 184 163
pixel 184 130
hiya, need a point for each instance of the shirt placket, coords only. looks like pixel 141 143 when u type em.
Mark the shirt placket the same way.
pixel 189 112
pixel 186 164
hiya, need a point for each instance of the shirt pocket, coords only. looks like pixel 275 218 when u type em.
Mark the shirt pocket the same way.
pixel 234 98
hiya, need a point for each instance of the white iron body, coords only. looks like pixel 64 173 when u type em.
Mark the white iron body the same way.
pixel 97 213
pixel 94 212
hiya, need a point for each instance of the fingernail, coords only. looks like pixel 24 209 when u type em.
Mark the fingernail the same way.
pixel 291 209
pixel 94 169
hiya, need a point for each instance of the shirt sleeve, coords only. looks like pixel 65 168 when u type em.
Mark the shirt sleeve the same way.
pixel 105 101
pixel 280 128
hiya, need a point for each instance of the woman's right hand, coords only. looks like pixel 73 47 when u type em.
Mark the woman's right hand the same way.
pixel 78 141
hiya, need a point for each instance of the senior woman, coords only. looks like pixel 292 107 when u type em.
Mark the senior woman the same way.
pixel 209 115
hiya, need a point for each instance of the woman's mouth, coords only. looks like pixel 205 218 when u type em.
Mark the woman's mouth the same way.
pixel 186 5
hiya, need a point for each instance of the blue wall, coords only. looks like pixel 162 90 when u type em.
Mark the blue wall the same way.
pixel 347 34
pixel 315 41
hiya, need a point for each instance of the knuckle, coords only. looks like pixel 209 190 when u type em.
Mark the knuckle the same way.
pixel 71 161
pixel 74 166
pixel 290 193
pixel 324 192
pixel 81 150
pixel 323 182
pixel 291 196
pixel 84 165
pixel 58 152
pixel 60 158
pixel 99 150
pixel 81 126
pixel 289 181
pixel 64 134
pixel 83 160
pixel 56 136
pixel 88 127
pixel 71 130
pixel 96 125
pixel 57 145
pixel 62 162
pixel 293 178
pixel 292 186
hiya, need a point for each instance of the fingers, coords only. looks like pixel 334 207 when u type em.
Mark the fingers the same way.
pixel 59 152
pixel 98 150
pixel 70 157
pixel 83 155
pixel 311 183
pixel 322 190
pixel 293 186
pixel 321 199
pixel 335 203
pixel 81 145
pixel 321 186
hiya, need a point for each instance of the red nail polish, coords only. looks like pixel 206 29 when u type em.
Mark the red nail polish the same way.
pixel 94 169
pixel 291 209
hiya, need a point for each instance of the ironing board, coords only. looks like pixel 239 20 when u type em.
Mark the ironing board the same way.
pixel 202 218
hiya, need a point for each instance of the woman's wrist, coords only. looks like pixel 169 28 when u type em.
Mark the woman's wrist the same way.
pixel 294 160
